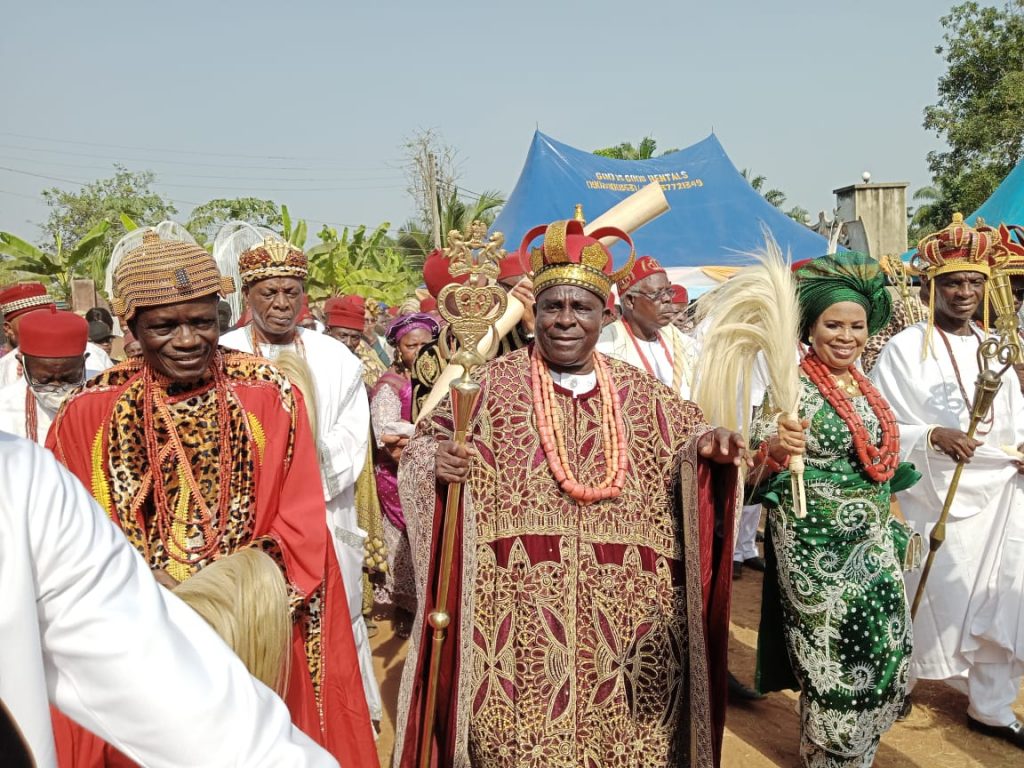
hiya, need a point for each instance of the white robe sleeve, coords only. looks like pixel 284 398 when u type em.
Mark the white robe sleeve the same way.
pixel 900 379
pixel 84 623
pixel 342 444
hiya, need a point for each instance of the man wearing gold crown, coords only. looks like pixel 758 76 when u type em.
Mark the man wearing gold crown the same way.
pixel 969 628
pixel 580 586
pixel 196 452
pixel 273 273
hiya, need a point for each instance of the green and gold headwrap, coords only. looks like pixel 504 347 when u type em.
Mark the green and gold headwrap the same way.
pixel 846 276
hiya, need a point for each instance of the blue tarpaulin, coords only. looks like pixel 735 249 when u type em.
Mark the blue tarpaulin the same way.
pixel 715 218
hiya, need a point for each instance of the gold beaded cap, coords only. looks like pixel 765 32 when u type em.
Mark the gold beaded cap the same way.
pixel 569 257
pixel 959 248
pixel 161 272
pixel 273 257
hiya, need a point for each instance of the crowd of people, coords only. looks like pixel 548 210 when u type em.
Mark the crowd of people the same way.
pixel 602 524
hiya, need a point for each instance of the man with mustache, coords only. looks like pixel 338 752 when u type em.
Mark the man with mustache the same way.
pixel 273 274
pixel 196 452
pixel 645 336
pixel 969 629
pixel 583 624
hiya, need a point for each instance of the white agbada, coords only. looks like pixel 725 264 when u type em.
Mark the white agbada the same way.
pixel 615 341
pixel 83 624
pixel 343 428
pixel 971 612
pixel 12 412
pixel 96 361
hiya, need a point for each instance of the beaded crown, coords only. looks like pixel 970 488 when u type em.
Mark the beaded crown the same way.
pixel 160 272
pixel 273 257
pixel 1011 242
pixel 569 257
pixel 20 298
pixel 958 248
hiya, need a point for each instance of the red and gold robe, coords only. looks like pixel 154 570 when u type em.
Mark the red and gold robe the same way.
pixel 579 634
pixel 276 504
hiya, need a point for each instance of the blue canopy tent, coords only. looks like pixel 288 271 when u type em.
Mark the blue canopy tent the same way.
pixel 715 216
pixel 1004 206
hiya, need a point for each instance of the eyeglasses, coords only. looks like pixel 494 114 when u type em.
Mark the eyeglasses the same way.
pixel 55 386
pixel 664 296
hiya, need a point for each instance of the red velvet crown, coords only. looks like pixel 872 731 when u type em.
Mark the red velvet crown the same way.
pixel 958 248
pixel 569 257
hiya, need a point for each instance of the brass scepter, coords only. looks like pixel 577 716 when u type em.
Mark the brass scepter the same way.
pixel 471 311
pixel 901 277
pixel 1005 349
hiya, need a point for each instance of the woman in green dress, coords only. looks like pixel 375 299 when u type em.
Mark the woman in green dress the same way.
pixel 835 622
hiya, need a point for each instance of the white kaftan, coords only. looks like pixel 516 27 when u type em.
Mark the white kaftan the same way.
pixel 343 427
pixel 971 613
pixel 615 341
pixel 84 625
pixel 12 412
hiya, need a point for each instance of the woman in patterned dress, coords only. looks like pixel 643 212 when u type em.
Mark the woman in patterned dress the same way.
pixel 391 416
pixel 835 622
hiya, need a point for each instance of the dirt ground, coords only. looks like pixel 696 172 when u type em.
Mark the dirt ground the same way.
pixel 765 733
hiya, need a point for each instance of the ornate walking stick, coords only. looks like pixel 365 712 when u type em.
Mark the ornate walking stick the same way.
pixel 471 311
pixel 1005 349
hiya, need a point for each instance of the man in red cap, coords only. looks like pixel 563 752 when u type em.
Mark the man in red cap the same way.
pixel 645 336
pixel 19 300
pixel 51 351
pixel 680 305
pixel 346 322
pixel 578 633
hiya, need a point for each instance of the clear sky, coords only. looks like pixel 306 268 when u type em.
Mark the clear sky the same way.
pixel 308 103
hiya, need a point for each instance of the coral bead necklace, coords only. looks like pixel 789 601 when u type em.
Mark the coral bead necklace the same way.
pixel 879 461
pixel 613 433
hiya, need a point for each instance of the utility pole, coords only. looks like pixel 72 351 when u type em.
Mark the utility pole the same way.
pixel 435 213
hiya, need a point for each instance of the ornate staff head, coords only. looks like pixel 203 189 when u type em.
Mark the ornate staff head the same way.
pixel 472 308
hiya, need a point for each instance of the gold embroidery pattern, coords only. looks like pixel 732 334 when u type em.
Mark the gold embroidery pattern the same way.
pixel 577 628
pixel 100 487
pixel 258 436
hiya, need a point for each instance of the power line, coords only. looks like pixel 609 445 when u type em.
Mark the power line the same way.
pixel 163 150
pixel 174 174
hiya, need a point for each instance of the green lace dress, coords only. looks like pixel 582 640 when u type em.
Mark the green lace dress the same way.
pixel 835 622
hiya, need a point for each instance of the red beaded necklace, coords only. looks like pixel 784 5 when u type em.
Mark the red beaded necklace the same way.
pixel 31 418
pixel 212 525
pixel 613 433
pixel 879 461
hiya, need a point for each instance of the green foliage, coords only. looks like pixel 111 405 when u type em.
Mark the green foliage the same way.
pixel 415 238
pixel 59 267
pixel 978 108
pixel 206 219
pixel 74 214
pixel 775 196
pixel 359 262
pixel 296 236
pixel 625 151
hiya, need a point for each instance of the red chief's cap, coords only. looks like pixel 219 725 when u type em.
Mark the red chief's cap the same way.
pixel 643 267
pixel 17 299
pixel 680 295
pixel 436 275
pixel 346 312
pixel 52 333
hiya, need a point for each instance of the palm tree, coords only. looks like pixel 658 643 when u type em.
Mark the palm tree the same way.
pixel 415 239
pixel 920 217
pixel 626 151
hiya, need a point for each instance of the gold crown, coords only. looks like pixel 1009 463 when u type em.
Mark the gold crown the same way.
pixel 959 248
pixel 569 257
pixel 273 257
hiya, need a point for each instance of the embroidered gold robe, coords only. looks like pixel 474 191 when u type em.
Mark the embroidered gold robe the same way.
pixel 578 633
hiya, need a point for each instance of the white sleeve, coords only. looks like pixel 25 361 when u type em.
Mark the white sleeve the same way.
pixel 127 659
pixel 342 446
